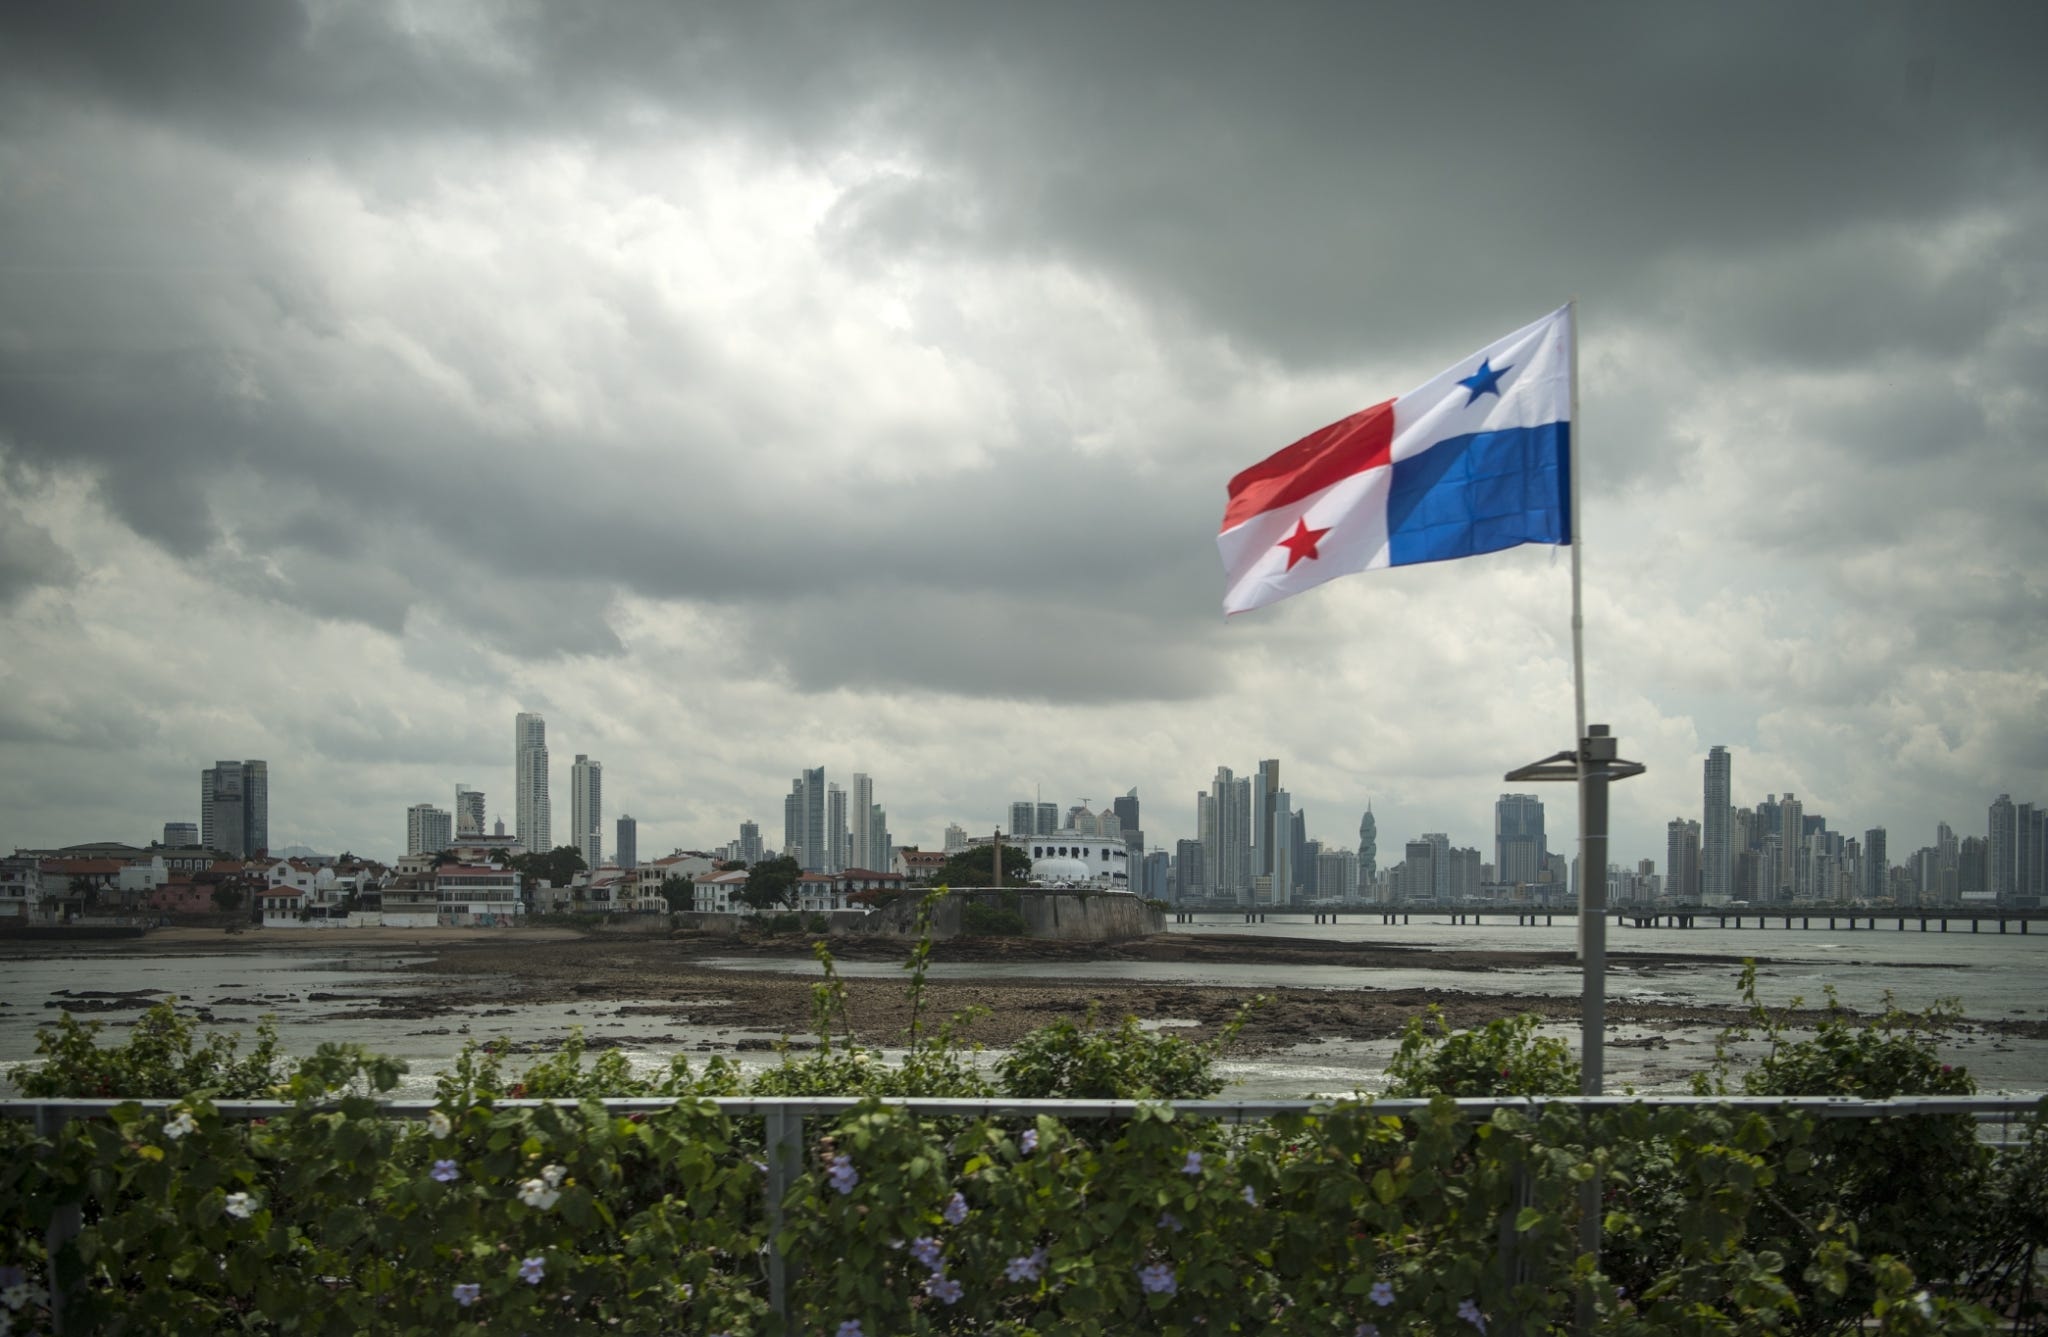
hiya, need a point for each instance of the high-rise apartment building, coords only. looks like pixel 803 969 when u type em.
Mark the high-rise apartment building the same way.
pixel 751 847
pixel 805 821
pixel 2000 848
pixel 180 835
pixel 1267 830
pixel 1226 821
pixel 871 844
pixel 469 811
pixel 586 809
pixel 956 837
pixel 1717 843
pixel 1337 874
pixel 1024 818
pixel 1682 860
pixel 1877 868
pixel 1298 843
pixel 234 807
pixel 1519 845
pixel 2029 853
pixel 1126 810
pixel 532 816
pixel 1280 821
pixel 626 844
pixel 428 829
pixel 1791 849
pixel 835 829
pixel 1188 868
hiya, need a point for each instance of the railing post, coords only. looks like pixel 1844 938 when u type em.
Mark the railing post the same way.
pixel 785 1137
pixel 64 1222
pixel 1513 1266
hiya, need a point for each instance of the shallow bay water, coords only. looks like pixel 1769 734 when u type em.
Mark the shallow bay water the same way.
pixel 312 993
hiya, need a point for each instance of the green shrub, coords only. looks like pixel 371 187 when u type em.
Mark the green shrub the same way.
pixel 981 920
pixel 817 924
pixel 161 1059
pixel 1086 1062
pixel 1505 1057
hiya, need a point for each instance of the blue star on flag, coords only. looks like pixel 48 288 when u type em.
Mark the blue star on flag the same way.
pixel 1485 381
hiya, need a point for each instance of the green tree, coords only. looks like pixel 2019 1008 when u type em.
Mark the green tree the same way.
pixel 974 867
pixel 559 866
pixel 227 898
pixel 677 892
pixel 772 883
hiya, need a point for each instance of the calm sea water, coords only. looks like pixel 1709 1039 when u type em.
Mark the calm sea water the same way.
pixel 1989 974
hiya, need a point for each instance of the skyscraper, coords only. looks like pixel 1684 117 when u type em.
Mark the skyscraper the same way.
pixel 806 821
pixel 1227 846
pixel 1280 821
pixel 835 829
pixel 1267 831
pixel 178 835
pixel 752 850
pixel 1877 868
pixel 1717 844
pixel 1519 845
pixel 234 807
pixel 1791 848
pixel 1303 861
pixel 863 809
pixel 428 829
pixel 1024 818
pixel 1368 847
pixel 626 847
pixel 1126 809
pixel 2001 848
pixel 1682 860
pixel 469 811
pixel 586 809
pixel 531 818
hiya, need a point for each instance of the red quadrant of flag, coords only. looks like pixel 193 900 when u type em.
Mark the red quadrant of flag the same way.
pixel 1349 446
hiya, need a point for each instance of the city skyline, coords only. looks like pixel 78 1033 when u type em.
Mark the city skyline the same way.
pixel 882 422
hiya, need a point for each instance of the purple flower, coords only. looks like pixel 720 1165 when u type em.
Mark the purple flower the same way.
pixel 943 1289
pixel 1029 1141
pixel 467 1293
pixel 851 1328
pixel 843 1177
pixel 926 1251
pixel 1366 1330
pixel 1469 1311
pixel 531 1270
pixel 1168 1221
pixel 445 1172
pixel 955 1210
pixel 1158 1279
pixel 1382 1293
pixel 1193 1164
pixel 12 1275
pixel 1251 1198
pixel 1027 1267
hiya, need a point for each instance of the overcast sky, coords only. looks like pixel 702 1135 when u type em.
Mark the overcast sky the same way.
pixel 752 387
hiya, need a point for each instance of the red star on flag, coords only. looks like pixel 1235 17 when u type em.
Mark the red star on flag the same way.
pixel 1301 543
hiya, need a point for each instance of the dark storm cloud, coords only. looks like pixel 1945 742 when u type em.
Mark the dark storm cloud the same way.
pixel 1766 184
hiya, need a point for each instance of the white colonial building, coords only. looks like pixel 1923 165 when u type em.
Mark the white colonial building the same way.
pixel 1072 858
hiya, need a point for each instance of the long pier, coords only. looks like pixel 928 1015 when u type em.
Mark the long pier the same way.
pixel 1926 919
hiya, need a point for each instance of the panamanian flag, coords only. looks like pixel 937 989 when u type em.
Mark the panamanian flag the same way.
pixel 1476 460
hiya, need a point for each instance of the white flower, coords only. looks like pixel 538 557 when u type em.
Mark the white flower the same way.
pixel 554 1174
pixel 536 1193
pixel 15 1296
pixel 240 1206
pixel 438 1125
pixel 180 1126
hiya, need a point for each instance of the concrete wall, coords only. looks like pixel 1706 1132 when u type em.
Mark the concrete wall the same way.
pixel 1063 916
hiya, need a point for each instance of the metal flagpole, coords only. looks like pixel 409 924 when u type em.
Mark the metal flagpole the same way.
pixel 1592 764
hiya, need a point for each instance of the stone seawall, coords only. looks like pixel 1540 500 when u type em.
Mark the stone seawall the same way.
pixel 1058 916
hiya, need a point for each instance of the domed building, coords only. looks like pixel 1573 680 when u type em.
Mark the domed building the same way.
pixel 1071 858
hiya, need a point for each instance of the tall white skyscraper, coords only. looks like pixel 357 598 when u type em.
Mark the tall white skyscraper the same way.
pixel 1267 833
pixel 1280 858
pixel 469 811
pixel 1225 824
pixel 1717 830
pixel 814 823
pixel 863 853
pixel 1791 848
pixel 586 809
pixel 956 837
pixel 428 829
pixel 835 829
pixel 531 817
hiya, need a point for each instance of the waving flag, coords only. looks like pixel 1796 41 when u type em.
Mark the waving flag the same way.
pixel 1477 460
